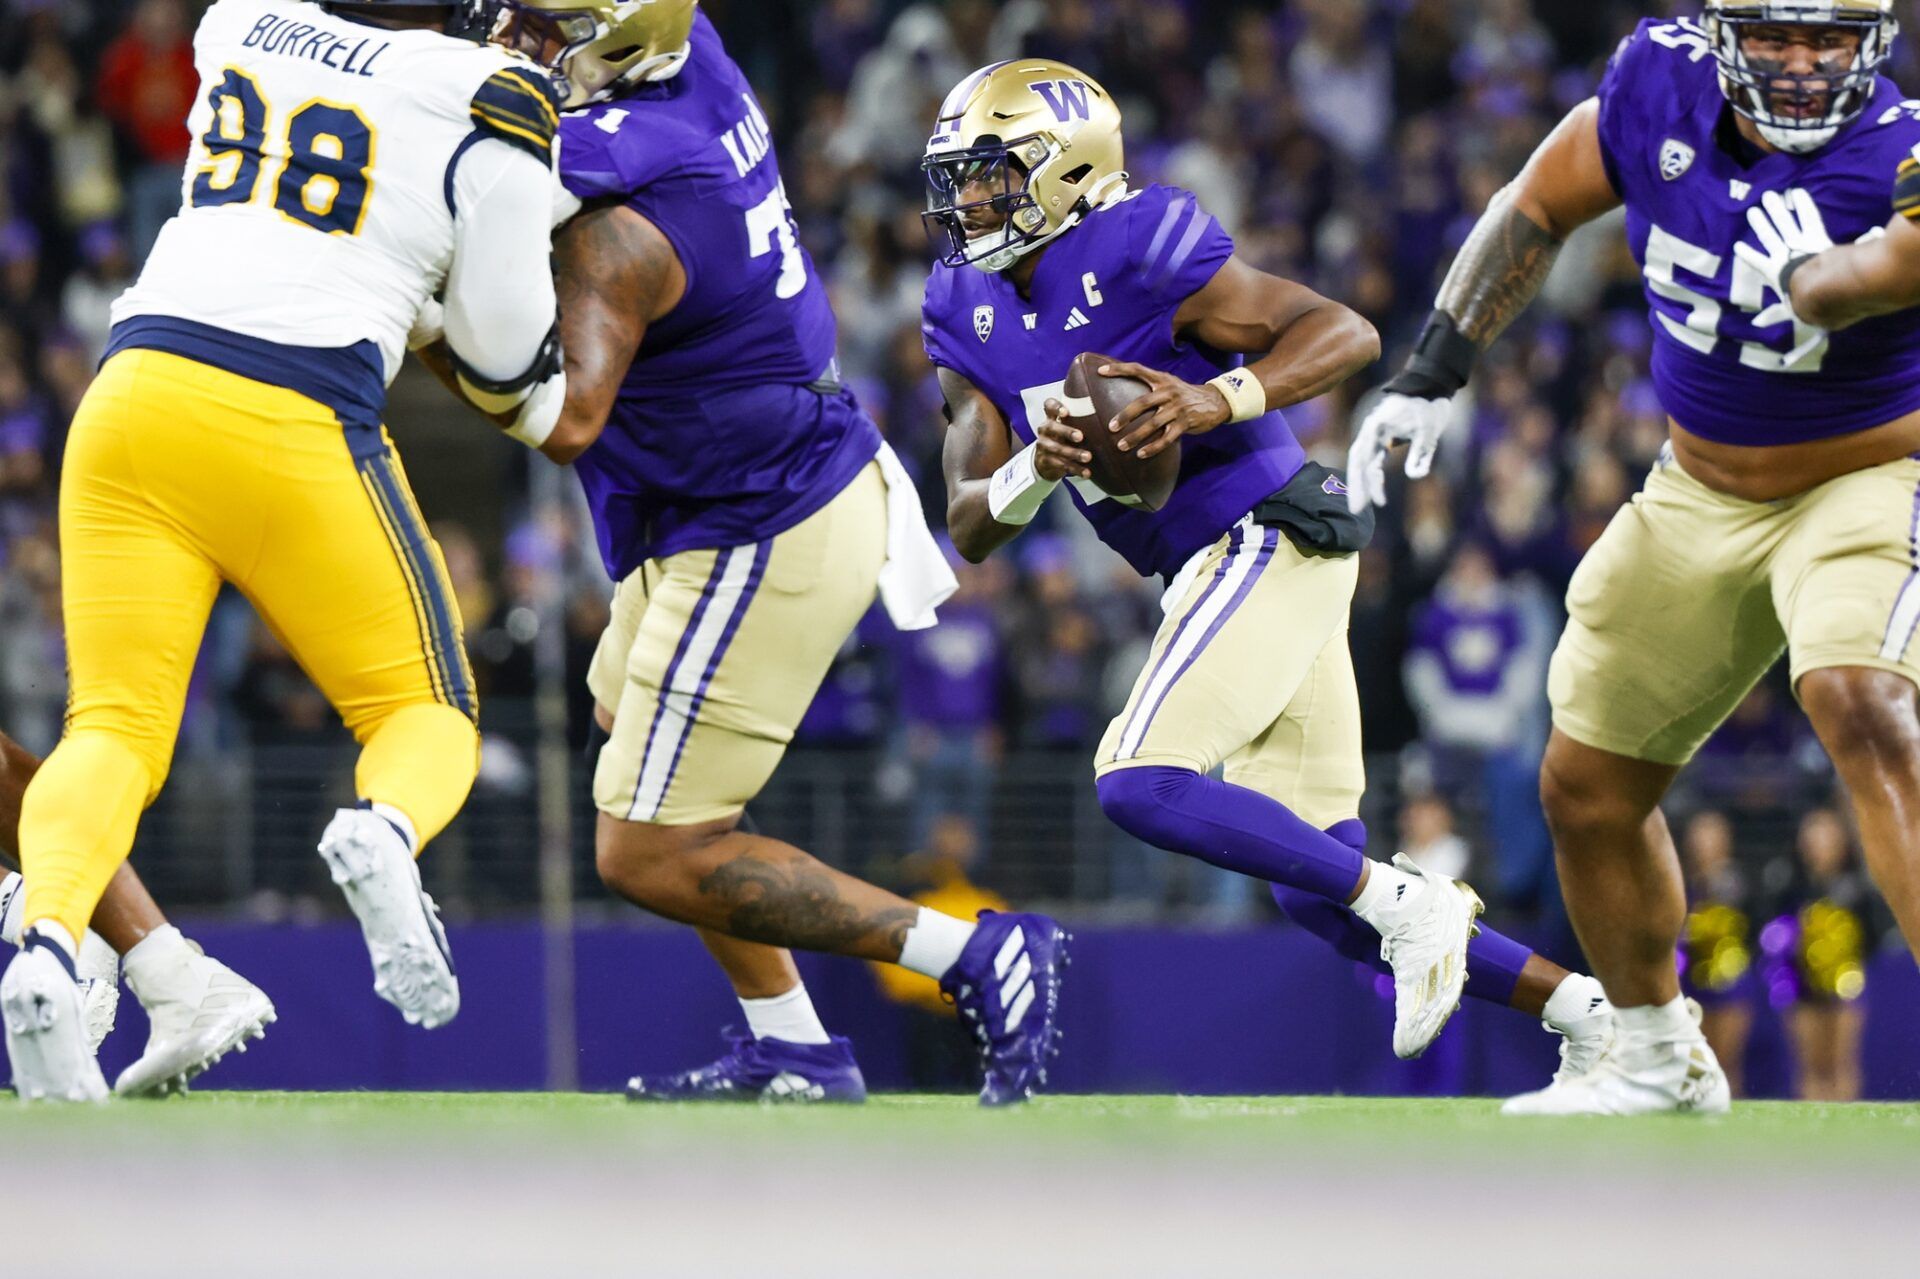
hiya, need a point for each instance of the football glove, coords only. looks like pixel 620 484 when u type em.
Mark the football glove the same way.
pixel 1791 233
pixel 1396 418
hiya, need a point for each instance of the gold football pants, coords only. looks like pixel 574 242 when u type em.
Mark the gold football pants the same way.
pixel 179 476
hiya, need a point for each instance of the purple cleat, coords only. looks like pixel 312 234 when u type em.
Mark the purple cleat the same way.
pixel 1007 989
pixel 767 1070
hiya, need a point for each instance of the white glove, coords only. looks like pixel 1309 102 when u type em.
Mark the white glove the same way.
pixel 1396 418
pixel 429 326
pixel 1789 227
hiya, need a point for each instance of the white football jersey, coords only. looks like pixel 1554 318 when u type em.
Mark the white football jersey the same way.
pixel 318 196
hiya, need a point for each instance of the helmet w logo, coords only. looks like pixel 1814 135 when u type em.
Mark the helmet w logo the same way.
pixel 1068 98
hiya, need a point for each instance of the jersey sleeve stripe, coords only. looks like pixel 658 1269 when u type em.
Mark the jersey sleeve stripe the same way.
pixel 1165 229
pixel 1906 190
pixel 1196 227
pixel 517 110
pixel 541 142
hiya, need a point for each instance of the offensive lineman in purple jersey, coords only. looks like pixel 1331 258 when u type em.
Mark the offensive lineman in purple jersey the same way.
pixel 749 510
pixel 1047 253
pixel 1779 517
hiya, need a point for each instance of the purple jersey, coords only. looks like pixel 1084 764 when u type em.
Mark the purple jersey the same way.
pixel 1112 285
pixel 730 426
pixel 1663 126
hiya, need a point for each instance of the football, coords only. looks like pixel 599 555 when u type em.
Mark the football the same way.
pixel 1146 483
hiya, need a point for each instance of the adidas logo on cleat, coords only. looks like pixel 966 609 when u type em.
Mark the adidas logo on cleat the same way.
pixel 787 1086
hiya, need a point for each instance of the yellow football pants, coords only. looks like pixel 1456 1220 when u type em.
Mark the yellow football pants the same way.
pixel 177 476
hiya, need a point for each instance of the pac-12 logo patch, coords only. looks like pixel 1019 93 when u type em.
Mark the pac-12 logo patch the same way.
pixel 983 322
pixel 1676 157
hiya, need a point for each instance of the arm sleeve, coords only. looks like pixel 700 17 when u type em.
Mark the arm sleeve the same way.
pixel 500 299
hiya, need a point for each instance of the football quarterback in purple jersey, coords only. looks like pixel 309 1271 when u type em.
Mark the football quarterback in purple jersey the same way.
pixel 1046 253
pixel 750 513
pixel 1781 516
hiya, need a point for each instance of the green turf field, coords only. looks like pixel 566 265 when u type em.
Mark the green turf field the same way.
pixel 518 1184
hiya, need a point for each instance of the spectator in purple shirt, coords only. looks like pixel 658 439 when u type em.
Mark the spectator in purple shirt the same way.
pixel 1476 678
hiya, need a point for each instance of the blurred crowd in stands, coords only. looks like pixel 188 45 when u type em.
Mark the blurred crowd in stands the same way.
pixel 1349 144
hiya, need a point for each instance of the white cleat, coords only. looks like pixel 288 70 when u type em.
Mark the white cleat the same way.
pixel 98 971
pixel 46 1031
pixel 1583 1045
pixel 1427 950
pixel 412 967
pixel 96 968
pixel 1638 1075
pixel 200 1010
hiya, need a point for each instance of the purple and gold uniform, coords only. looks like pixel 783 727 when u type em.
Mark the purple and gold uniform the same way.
pixel 1718 373
pixel 735 492
pixel 1692 594
pixel 1112 285
pixel 1250 668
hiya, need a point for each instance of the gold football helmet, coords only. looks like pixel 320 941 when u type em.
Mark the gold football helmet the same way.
pixel 595 46
pixel 1034 141
pixel 1801 112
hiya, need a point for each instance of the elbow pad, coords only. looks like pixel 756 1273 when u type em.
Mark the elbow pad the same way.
pixel 503 395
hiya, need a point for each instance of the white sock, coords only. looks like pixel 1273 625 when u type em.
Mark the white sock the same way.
pixel 1387 891
pixel 1659 1023
pixel 153 955
pixel 400 820
pixel 54 931
pixel 934 943
pixel 1575 999
pixel 13 901
pixel 789 1017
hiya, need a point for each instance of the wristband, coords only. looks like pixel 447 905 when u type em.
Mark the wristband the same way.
pixel 1441 362
pixel 1246 398
pixel 1016 491
pixel 1786 274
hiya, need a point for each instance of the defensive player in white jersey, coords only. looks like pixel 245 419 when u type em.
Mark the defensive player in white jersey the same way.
pixel 348 159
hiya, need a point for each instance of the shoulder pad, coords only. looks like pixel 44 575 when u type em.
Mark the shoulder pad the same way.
pixel 1906 189
pixel 519 107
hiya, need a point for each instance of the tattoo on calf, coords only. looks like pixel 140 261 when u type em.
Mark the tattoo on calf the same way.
pixel 798 903
pixel 1499 271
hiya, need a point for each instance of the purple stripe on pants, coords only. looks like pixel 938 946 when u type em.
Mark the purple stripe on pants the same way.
pixel 1269 540
pixel 673 668
pixel 1219 576
pixel 762 553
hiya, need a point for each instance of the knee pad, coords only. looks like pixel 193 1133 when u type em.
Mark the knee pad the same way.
pixel 1144 802
pixel 1352 832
